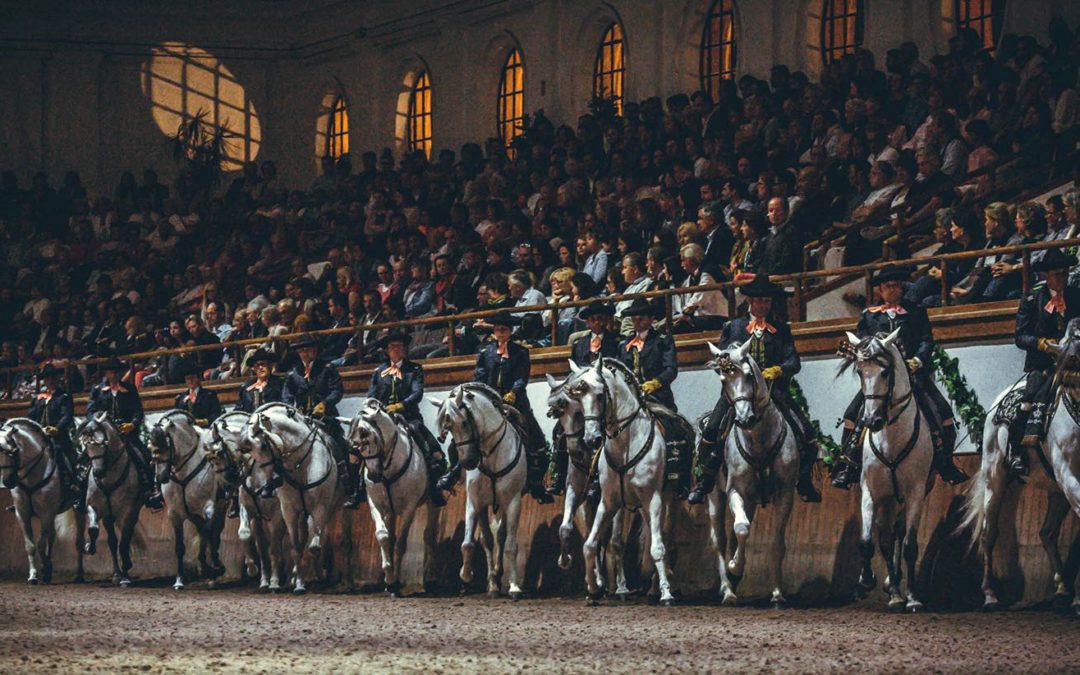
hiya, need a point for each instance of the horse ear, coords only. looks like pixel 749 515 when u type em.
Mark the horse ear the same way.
pixel 574 367
pixel 460 400
pixel 852 338
pixel 890 338
pixel 714 349
pixel 744 349
pixel 434 401
pixel 345 421
pixel 598 365
pixel 552 382
pixel 100 417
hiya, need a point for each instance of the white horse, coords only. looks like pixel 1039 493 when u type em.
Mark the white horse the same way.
pixel 278 436
pixel 898 453
pixel 191 489
pixel 762 459
pixel 262 527
pixel 568 412
pixel 491 449
pixel 114 493
pixel 397 485
pixel 31 471
pixel 631 465
pixel 1056 472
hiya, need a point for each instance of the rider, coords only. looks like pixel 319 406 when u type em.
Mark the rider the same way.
pixel 399 385
pixel 202 404
pixel 600 341
pixel 266 387
pixel 916 344
pixel 54 410
pixel 650 355
pixel 119 400
pixel 1040 323
pixel 504 366
pixel 773 349
pixel 314 387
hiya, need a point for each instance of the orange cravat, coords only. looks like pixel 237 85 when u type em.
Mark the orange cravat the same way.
pixel 895 309
pixel 594 344
pixel 192 394
pixel 307 372
pixel 257 386
pixel 762 325
pixel 393 370
pixel 637 343
pixel 45 396
pixel 502 349
pixel 1056 304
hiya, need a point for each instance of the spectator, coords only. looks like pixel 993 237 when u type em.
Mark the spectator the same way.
pixel 700 311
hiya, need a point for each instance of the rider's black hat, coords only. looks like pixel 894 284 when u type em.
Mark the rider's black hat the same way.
pixel 113 364
pixel 890 273
pixel 50 370
pixel 597 308
pixel 503 319
pixel 395 335
pixel 642 307
pixel 762 287
pixel 1052 260
pixel 262 355
pixel 304 340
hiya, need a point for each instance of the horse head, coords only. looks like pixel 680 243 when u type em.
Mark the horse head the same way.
pixel 588 389
pixel 261 441
pixel 878 362
pixel 365 435
pixel 9 451
pixel 96 436
pixel 567 410
pixel 223 442
pixel 742 382
pixel 173 427
pixel 457 416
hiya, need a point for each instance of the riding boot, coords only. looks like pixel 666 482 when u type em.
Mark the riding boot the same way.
pixel 807 491
pixel 153 501
pixel 1033 433
pixel 1017 454
pixel 353 484
pixel 708 463
pixel 560 462
pixel 436 463
pixel 449 479
pixel 851 464
pixel 536 465
pixel 946 468
pixel 69 468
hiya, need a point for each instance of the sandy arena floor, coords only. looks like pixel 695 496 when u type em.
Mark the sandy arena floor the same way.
pixel 69 628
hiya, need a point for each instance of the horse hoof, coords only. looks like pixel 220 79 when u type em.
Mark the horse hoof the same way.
pixel 493 595
pixel 565 562
pixel 463 591
pixel 262 589
pixel 729 600
pixel 897 603
pixel 90 549
pixel 32 581
pixel 778 603
pixel 667 602
pixel 299 591
pixel 1076 610
pixel 591 601
pixel 867 584
pixel 178 587
pixel 652 600
pixel 1060 601
pixel 622 596
pixel 991 606
pixel 915 607
pixel 125 583
pixel 516 595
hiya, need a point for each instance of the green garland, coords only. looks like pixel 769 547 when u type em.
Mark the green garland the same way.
pixel 967 403
pixel 830 448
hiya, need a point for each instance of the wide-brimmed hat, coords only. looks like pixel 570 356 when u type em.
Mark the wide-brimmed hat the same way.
pixel 395 335
pixel 503 319
pixel 642 307
pixel 190 368
pixel 113 364
pixel 761 287
pixel 1052 260
pixel 890 273
pixel 597 308
pixel 305 340
pixel 262 355
pixel 50 370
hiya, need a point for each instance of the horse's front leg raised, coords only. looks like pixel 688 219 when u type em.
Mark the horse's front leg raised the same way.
pixel 178 548
pixel 657 550
pixel 743 514
pixel 718 540
pixel 513 565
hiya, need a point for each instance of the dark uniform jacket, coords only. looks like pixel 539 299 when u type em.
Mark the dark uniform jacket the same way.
pixel 915 339
pixel 305 390
pixel 1034 322
pixel 582 355
pixel 655 361
pixel 771 349
pixel 121 406
pixel 505 375
pixel 781 251
pixel 57 411
pixel 408 390
pixel 206 405
pixel 251 398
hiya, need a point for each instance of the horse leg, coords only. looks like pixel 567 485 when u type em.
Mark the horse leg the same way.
pixel 742 514
pixel 566 528
pixel 913 514
pixel 618 555
pixel 178 548
pixel 402 544
pixel 46 539
pixel 467 544
pixel 657 550
pixel 783 515
pixel 431 522
pixel 513 565
pixel 887 528
pixel 91 530
pixel 127 532
pixel 489 539
pixel 718 540
pixel 1057 507
pixel 867 581
pixel 114 545
pixel 217 525
pixel 277 533
pixel 26 521
pixel 994 498
pixel 296 529
pixel 256 555
pixel 384 534
pixel 80 543
pixel 601 521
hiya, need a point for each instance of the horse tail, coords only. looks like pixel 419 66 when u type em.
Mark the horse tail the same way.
pixel 65 525
pixel 978 495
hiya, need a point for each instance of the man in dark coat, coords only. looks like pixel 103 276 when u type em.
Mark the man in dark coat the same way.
pixel 120 402
pixel 266 387
pixel 314 388
pixel 916 344
pixel 399 385
pixel 54 410
pixel 650 355
pixel 1040 324
pixel 504 366
pixel 202 404
pixel 773 349
pixel 782 247
pixel 600 342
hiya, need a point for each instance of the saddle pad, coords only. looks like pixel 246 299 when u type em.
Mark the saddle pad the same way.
pixel 1009 406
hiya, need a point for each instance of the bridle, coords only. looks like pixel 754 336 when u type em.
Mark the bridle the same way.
pixel 174 467
pixel 482 441
pixel 93 427
pixel 12 451
pixel 888 367
pixel 726 366
pixel 381 455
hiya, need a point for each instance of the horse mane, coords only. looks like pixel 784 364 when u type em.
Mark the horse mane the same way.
pixel 1065 357
pixel 486 391
pixel 620 367
pixel 173 413
pixel 869 348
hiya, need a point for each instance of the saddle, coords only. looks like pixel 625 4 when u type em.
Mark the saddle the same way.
pixel 1009 407
pixel 517 420
pixel 678 435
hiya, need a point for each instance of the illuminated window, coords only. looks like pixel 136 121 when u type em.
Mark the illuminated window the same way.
pixel 718 47
pixel 841 28
pixel 610 68
pixel 984 16
pixel 183 81
pixel 337 134
pixel 511 112
pixel 420 115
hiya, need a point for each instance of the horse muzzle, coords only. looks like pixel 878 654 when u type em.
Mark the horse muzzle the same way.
pixel 746 421
pixel 10 481
pixel 876 422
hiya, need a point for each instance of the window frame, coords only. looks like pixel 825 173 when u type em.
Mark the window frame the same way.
pixel 713 46
pixel 510 102
pixel 991 13
pixel 853 16
pixel 609 67
pixel 337 128
pixel 419 123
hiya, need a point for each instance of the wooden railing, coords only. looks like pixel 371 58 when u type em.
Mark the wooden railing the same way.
pixel 798 282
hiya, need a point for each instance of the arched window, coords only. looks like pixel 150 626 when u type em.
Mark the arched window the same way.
pixel 718 46
pixel 841 28
pixel 984 16
pixel 610 68
pixel 337 133
pixel 420 115
pixel 511 110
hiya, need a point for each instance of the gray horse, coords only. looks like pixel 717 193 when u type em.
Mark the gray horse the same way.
pixel 31 472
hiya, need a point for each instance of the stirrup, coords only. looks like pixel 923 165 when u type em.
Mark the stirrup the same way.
pixel 847 476
pixel 808 492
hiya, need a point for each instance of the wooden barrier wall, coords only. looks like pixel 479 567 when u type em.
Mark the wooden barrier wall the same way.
pixel 821 565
